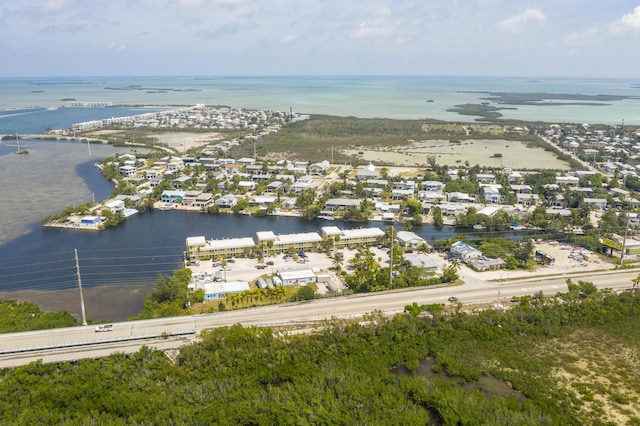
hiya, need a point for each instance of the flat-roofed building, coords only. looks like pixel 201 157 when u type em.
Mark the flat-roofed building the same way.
pixel 342 203
pixel 330 231
pixel 422 261
pixel 361 236
pixel 300 241
pixel 219 290
pixel 410 239
pixel 296 276
pixel 229 247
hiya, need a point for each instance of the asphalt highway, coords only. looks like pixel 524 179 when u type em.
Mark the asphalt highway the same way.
pixel 66 344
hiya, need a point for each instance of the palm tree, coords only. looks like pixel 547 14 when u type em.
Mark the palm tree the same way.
pixel 337 262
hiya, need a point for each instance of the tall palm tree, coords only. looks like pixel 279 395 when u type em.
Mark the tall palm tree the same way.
pixel 337 262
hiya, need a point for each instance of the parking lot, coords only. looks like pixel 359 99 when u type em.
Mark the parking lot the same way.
pixel 246 269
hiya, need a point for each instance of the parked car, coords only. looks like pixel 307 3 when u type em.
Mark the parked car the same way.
pixel 270 263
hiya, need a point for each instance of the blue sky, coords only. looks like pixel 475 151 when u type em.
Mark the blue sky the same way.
pixel 554 38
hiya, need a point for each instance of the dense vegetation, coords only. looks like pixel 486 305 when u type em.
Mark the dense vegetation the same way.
pixel 26 316
pixel 449 367
pixel 323 136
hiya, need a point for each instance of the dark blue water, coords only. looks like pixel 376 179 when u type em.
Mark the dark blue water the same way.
pixel 137 250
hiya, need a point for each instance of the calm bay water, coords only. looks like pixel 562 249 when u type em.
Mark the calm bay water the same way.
pixel 119 266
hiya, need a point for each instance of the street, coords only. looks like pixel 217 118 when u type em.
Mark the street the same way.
pixel 73 343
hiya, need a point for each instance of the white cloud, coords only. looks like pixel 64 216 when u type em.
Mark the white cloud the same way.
pixel 116 47
pixel 366 30
pixel 196 3
pixel 629 23
pixel 378 26
pixel 516 23
pixel 55 5
pixel 288 38
pixel 581 37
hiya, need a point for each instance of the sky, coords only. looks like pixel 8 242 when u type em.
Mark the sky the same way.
pixel 546 38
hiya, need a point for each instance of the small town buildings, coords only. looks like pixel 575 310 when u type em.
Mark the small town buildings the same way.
pixel 335 204
pixel 464 251
pixel 296 276
pixel 568 180
pixel 410 239
pixel 169 196
pixel 491 194
pixel 368 172
pixel 488 211
pixel 598 203
pixel 432 186
pixel 219 290
pixel 422 261
pixel 460 197
pixel 229 247
pixel 358 236
pixel 115 205
pixel 300 241
pixel 527 199
pixel 90 220
pixel 488 178
pixel 226 201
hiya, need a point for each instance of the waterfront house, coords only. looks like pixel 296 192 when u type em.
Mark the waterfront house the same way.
pixel 128 171
pixel 335 204
pixel 300 241
pixel 366 236
pixel 90 220
pixel 262 200
pixel 410 239
pixel 226 201
pixel 169 196
pixel 289 203
pixel 115 205
pixel 229 247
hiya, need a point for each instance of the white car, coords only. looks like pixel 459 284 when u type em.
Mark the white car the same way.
pixel 104 327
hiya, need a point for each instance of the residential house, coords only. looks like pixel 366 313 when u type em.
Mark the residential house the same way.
pixel 432 186
pixel 491 194
pixel 227 201
pixel 368 172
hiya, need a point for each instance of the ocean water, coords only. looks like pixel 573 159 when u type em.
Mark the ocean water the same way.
pixel 391 97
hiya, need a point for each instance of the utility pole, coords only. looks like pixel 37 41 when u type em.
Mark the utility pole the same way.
pixel 84 316
pixel 624 240
pixel 391 259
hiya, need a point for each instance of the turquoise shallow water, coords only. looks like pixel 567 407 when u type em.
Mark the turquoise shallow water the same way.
pixel 391 97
